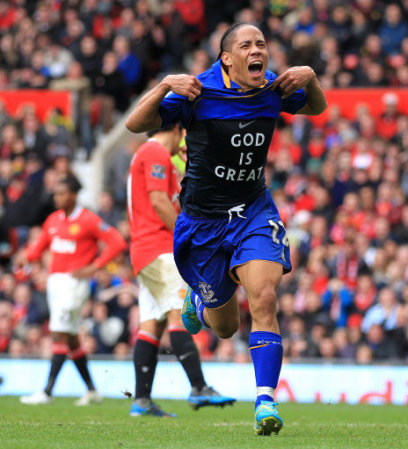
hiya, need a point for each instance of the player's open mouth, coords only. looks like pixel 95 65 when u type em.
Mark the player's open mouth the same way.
pixel 255 68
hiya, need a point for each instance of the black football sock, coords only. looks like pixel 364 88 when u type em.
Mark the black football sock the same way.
pixel 145 361
pixel 81 362
pixel 187 354
pixel 60 351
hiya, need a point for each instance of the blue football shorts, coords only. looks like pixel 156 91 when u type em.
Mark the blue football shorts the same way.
pixel 207 250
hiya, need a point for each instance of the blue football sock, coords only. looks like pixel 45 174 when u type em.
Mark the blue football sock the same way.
pixel 266 352
pixel 199 306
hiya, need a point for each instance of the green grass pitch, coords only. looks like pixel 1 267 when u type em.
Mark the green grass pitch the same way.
pixel 61 425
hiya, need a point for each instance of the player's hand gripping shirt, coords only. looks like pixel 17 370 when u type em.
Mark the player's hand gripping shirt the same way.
pixel 73 241
pixel 228 136
pixel 151 169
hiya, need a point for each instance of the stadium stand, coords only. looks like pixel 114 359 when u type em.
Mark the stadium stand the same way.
pixel 68 72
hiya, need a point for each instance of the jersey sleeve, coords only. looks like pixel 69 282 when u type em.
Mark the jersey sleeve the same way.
pixel 175 108
pixel 115 243
pixel 33 252
pixel 295 102
pixel 157 170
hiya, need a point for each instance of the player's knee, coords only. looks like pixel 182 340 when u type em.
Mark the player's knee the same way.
pixel 59 337
pixel 264 302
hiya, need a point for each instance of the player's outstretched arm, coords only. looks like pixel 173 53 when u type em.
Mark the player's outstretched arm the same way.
pixel 303 77
pixel 146 114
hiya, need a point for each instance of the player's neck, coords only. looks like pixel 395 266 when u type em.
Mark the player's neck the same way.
pixel 164 139
pixel 68 210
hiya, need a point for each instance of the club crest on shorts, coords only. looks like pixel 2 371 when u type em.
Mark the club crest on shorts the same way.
pixel 206 292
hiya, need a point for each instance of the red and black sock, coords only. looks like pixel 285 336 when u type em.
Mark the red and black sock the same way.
pixel 80 359
pixel 145 361
pixel 59 351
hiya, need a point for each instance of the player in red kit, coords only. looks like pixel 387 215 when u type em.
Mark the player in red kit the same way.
pixel 71 234
pixel 153 208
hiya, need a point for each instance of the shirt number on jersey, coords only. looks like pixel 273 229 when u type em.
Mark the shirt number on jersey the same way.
pixel 275 229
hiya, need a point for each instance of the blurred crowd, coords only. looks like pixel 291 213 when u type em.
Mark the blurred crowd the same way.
pixel 108 51
pixel 341 187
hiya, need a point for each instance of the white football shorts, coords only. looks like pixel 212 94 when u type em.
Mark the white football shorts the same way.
pixel 161 288
pixel 66 296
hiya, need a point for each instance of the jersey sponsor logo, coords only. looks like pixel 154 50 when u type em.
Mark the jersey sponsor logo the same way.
pixel 244 125
pixel 247 140
pixel 158 171
pixel 63 246
pixel 206 292
pixel 74 228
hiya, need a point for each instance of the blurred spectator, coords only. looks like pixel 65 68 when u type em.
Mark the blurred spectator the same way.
pixel 383 313
pixel 387 123
pixel 128 64
pixel 364 354
pixel 76 82
pixel 107 210
pixel 393 29
pixel 344 348
pixel 337 299
pixel 57 60
pixel 110 91
pixel 381 346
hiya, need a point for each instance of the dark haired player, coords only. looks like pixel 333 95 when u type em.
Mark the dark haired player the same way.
pixel 72 234
pixel 230 231
pixel 152 209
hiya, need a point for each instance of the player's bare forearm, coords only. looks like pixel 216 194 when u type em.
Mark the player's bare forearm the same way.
pixel 167 216
pixel 164 208
pixel 146 114
pixel 316 99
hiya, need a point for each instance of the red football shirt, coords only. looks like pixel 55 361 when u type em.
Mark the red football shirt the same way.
pixel 151 169
pixel 73 241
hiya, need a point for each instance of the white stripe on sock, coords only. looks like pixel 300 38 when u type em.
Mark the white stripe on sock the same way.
pixel 268 391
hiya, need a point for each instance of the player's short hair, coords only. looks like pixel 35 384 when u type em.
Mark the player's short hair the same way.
pixel 71 182
pixel 164 129
pixel 228 36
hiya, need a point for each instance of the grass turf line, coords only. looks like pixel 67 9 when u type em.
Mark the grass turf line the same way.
pixel 61 425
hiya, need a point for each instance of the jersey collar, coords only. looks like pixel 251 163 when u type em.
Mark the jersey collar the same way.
pixel 73 215
pixel 224 81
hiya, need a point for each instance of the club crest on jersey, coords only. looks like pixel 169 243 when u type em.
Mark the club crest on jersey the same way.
pixel 158 171
pixel 206 292
pixel 74 229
